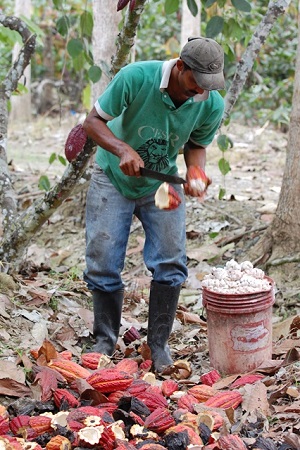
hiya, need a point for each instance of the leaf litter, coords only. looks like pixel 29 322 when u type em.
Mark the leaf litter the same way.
pixel 47 307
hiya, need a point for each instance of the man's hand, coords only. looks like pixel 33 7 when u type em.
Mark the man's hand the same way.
pixel 130 161
pixel 197 182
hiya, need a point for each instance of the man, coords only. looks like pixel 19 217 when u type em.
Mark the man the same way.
pixel 147 113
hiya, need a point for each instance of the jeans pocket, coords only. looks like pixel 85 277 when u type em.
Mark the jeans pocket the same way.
pixel 97 169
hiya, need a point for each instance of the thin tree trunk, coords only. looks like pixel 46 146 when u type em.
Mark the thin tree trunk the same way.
pixel 190 25
pixel 244 67
pixel 125 39
pixel 106 21
pixel 8 85
pixel 282 238
pixel 21 104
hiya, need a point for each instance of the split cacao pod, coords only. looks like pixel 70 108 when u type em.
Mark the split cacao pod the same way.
pixel 166 197
pixel 187 402
pixel 70 370
pixel 152 400
pixel 41 424
pixel 4 426
pixel 197 178
pixel 168 387
pixel 210 378
pixel 246 379
pixel 109 380
pixel 225 400
pixel 90 360
pixel 61 396
pixel 202 392
pixel 231 442
pixel 159 420
pixel 58 443
pixel 127 365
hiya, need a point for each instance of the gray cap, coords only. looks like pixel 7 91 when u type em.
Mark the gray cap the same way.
pixel 206 59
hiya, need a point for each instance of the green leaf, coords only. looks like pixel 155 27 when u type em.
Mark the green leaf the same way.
pixel 213 234
pixel 10 36
pixel 75 47
pixel 89 57
pixel 94 73
pixel 192 5
pixel 62 160
pixel 214 26
pixel 221 3
pixel 234 29
pixel 21 89
pixel 171 6
pixel 58 4
pixel 34 28
pixel 222 193
pixel 241 5
pixel 44 183
pixel 224 142
pixel 52 158
pixel 86 23
pixel 208 3
pixel 224 166
pixel 86 97
pixel 78 62
pixel 63 25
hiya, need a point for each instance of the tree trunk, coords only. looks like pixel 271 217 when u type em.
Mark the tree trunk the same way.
pixel 190 25
pixel 281 241
pixel 125 40
pixel 106 21
pixel 21 104
pixel 8 85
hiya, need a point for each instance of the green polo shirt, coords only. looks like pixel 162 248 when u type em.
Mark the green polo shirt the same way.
pixel 141 113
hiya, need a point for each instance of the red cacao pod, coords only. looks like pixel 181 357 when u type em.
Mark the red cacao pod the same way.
pixel 75 142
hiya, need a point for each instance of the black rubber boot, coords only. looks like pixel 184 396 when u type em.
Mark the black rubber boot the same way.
pixel 107 320
pixel 162 310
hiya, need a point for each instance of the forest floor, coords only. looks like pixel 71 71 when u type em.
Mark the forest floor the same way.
pixel 49 301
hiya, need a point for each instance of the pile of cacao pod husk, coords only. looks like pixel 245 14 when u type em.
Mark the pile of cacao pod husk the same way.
pixel 95 403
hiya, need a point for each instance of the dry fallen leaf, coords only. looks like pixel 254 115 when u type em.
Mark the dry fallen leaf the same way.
pixel 255 398
pixel 47 380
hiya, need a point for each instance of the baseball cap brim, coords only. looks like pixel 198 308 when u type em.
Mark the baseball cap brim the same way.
pixel 209 81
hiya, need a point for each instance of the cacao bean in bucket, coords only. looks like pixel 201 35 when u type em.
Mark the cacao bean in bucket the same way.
pixel 239 328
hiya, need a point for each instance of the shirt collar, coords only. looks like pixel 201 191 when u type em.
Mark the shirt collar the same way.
pixel 166 72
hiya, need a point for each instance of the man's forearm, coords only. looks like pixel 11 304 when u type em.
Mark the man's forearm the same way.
pixel 195 156
pixel 96 128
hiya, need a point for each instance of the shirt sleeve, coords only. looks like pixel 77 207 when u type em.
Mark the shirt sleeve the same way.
pixel 120 92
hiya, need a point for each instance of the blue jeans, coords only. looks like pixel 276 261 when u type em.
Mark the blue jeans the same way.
pixel 108 220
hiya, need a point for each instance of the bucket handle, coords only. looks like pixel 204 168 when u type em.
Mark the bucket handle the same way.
pixel 202 314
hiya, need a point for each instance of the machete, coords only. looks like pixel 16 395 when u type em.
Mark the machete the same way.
pixel 161 176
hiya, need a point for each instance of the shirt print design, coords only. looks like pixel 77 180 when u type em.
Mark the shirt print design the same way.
pixel 154 154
